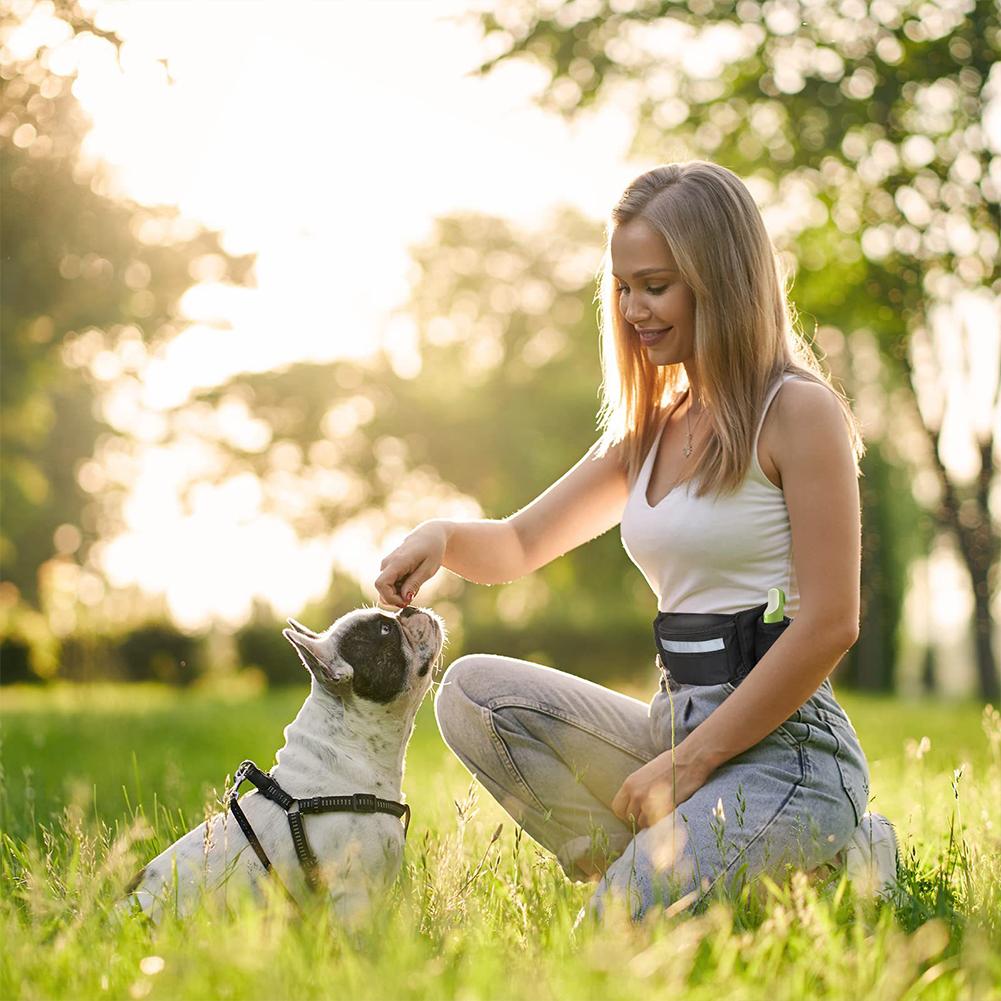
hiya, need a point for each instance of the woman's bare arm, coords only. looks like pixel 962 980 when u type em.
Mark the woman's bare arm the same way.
pixel 585 502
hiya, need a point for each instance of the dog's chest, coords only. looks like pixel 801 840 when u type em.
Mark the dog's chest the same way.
pixel 349 755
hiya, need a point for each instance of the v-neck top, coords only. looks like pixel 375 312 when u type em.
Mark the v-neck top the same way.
pixel 709 554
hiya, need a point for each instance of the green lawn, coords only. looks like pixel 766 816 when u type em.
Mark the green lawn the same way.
pixel 470 917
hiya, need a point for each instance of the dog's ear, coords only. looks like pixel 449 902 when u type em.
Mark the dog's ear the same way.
pixel 328 669
pixel 301 629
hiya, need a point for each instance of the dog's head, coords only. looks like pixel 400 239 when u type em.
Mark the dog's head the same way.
pixel 372 653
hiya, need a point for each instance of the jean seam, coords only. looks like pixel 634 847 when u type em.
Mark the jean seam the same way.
pixel 841 766
pixel 788 737
pixel 505 755
pixel 796 786
pixel 506 702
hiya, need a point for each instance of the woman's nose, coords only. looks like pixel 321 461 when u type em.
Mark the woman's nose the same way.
pixel 633 316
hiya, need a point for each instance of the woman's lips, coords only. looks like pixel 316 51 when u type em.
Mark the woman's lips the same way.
pixel 654 337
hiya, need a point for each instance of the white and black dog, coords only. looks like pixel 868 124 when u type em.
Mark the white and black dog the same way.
pixel 369 672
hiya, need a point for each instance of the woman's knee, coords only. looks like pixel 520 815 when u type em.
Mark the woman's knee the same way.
pixel 456 703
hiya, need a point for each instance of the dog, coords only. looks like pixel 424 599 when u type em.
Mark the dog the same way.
pixel 369 673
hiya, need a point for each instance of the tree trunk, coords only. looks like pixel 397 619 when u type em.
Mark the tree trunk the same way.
pixel 929 676
pixel 969 520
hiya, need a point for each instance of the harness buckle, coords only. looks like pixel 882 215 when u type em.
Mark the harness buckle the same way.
pixel 239 777
pixel 363 802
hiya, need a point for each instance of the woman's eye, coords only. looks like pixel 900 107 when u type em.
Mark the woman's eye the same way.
pixel 652 291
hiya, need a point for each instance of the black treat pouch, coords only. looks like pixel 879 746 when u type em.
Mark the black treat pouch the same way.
pixel 709 649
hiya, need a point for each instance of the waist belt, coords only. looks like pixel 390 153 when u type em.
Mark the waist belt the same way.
pixel 698 648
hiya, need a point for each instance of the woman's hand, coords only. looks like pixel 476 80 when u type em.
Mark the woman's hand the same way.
pixel 414 561
pixel 650 793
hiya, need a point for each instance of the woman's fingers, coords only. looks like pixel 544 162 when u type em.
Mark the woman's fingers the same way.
pixel 407 567
pixel 393 587
pixel 412 585
pixel 388 586
pixel 618 804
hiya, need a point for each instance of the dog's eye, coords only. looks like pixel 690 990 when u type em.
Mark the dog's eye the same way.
pixel 386 629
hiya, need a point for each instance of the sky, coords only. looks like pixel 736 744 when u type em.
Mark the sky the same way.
pixel 326 137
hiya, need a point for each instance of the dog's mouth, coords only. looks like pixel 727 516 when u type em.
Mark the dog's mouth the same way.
pixel 436 635
pixel 436 631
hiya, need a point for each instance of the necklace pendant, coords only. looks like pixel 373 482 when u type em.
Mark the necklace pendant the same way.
pixel 687 450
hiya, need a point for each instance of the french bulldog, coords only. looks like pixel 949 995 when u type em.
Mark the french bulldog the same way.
pixel 369 672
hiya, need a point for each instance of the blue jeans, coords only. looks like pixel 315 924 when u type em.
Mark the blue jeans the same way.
pixel 553 750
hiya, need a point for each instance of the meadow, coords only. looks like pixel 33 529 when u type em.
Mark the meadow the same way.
pixel 98 779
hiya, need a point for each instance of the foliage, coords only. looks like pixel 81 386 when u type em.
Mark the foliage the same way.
pixel 159 652
pixel 89 280
pixel 863 125
pixel 895 533
pixel 261 646
pixel 478 912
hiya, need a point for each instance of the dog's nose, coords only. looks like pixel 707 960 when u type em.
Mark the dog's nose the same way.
pixel 405 613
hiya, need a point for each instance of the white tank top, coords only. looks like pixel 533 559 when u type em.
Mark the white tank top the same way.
pixel 706 554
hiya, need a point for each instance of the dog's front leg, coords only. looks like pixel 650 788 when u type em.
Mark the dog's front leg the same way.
pixel 353 906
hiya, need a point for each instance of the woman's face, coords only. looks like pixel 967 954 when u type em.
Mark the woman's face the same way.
pixel 650 293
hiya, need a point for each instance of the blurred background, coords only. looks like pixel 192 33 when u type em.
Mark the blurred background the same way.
pixel 282 280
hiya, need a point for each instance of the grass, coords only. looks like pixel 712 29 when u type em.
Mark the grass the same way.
pixel 97 780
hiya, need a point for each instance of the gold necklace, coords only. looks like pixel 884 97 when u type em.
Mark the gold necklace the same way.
pixel 688 414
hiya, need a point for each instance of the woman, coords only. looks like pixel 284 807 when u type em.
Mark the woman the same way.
pixel 730 463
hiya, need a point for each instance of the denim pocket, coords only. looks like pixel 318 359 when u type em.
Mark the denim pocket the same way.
pixel 794 732
pixel 691 705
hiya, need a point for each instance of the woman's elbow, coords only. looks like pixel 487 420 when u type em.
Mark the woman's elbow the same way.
pixel 838 631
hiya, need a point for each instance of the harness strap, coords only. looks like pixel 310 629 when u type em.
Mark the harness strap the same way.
pixel 307 859
pixel 359 802
pixel 248 832
pixel 232 801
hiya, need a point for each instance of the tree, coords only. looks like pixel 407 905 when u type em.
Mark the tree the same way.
pixel 489 392
pixel 877 112
pixel 90 284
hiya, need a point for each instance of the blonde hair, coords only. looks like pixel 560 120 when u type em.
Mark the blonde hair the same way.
pixel 746 333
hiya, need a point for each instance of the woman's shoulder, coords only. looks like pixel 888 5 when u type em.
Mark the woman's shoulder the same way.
pixel 797 393
pixel 805 414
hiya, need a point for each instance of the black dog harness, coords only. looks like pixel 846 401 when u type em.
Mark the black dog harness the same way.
pixel 359 802
pixel 709 649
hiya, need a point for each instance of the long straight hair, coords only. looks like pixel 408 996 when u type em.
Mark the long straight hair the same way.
pixel 746 335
